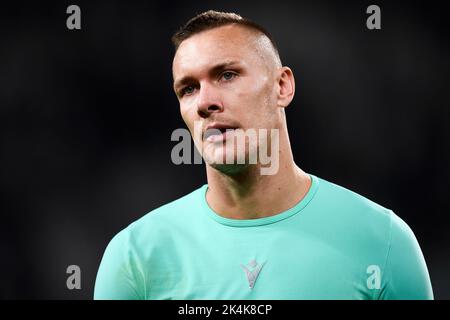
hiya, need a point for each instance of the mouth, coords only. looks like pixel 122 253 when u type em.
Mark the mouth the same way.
pixel 218 132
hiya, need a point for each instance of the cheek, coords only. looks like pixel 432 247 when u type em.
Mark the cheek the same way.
pixel 192 120
pixel 257 97
pixel 263 106
pixel 189 123
pixel 258 90
pixel 187 115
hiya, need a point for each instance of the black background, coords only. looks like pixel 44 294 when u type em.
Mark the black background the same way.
pixel 86 118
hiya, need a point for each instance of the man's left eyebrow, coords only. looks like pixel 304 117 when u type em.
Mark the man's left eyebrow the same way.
pixel 212 71
pixel 222 66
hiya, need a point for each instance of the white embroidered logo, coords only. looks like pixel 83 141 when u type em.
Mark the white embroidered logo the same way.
pixel 252 271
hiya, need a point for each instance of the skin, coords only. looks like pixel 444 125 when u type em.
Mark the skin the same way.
pixel 249 90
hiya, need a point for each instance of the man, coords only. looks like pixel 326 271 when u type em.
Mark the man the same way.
pixel 247 235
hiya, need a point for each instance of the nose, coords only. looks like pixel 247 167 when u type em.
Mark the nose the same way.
pixel 208 101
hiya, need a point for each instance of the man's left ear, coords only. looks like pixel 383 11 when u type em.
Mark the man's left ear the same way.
pixel 286 86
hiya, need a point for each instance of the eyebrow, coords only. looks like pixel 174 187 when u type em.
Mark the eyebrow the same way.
pixel 212 71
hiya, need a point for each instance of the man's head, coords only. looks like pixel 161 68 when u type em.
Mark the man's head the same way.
pixel 228 74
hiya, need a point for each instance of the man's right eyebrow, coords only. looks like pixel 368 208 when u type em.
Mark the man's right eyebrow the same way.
pixel 183 81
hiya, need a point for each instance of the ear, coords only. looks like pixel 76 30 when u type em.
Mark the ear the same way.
pixel 286 86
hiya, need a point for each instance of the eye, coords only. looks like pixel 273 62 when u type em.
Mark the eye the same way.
pixel 228 75
pixel 187 90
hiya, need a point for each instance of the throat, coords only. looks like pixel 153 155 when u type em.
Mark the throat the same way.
pixel 256 201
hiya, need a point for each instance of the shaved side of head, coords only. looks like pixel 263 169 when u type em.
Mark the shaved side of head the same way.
pixel 264 48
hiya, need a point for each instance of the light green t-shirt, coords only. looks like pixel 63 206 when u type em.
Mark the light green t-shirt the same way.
pixel 333 244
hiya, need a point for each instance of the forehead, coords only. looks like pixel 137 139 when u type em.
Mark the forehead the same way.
pixel 203 50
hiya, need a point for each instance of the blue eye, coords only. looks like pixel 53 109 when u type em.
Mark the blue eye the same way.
pixel 187 90
pixel 228 75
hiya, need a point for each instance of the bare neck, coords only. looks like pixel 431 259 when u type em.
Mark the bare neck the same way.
pixel 250 195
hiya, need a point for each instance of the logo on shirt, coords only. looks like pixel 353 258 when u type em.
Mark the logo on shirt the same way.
pixel 252 270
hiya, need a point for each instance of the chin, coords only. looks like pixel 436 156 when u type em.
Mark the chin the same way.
pixel 230 169
pixel 218 156
pixel 234 166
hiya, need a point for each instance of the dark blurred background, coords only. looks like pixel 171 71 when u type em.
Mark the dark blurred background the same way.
pixel 86 118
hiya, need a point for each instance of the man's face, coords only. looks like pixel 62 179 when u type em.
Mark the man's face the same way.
pixel 225 78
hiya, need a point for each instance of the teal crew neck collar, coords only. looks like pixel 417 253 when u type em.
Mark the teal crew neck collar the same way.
pixel 260 221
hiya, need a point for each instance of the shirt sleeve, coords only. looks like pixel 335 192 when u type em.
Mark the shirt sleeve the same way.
pixel 117 274
pixel 406 275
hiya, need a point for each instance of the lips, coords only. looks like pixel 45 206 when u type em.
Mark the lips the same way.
pixel 217 131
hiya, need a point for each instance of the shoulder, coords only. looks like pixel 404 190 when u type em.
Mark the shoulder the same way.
pixel 355 216
pixel 173 211
pixel 161 222
pixel 359 216
pixel 349 204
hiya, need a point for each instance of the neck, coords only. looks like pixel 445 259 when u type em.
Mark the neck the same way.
pixel 250 195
